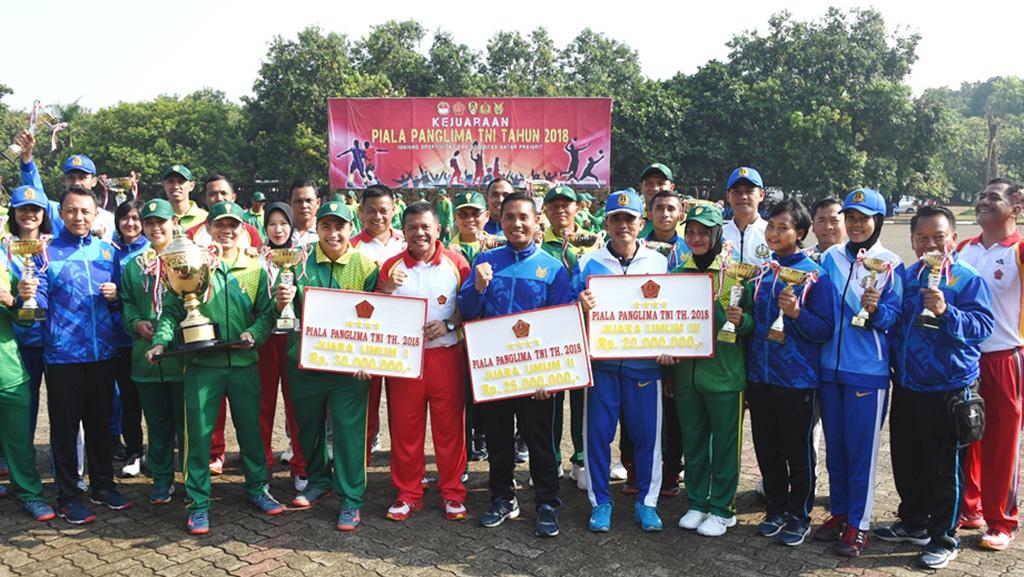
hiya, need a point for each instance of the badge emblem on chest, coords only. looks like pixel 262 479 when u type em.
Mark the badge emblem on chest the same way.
pixel 998 274
pixel 442 299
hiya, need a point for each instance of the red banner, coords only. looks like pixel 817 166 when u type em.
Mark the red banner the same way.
pixel 467 142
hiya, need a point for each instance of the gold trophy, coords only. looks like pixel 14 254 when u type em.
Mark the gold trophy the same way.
pixel 742 272
pixel 935 260
pixel 662 248
pixel 286 258
pixel 874 266
pixel 120 186
pixel 42 120
pixel 792 277
pixel 27 249
pixel 584 239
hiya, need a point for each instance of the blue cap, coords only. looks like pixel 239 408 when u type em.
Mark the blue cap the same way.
pixel 24 195
pixel 627 200
pixel 79 162
pixel 745 173
pixel 865 200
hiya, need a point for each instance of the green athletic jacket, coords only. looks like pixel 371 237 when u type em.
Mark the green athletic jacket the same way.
pixel 726 371
pixel 12 370
pixel 352 271
pixel 467 249
pixel 239 302
pixel 136 291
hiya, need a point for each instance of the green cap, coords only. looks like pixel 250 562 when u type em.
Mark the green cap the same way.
pixel 226 209
pixel 351 194
pixel 335 208
pixel 443 191
pixel 421 193
pixel 259 197
pixel 180 170
pixel 561 191
pixel 656 167
pixel 585 197
pixel 706 214
pixel 156 208
pixel 470 198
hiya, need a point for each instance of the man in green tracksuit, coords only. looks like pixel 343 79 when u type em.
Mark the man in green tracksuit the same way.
pixel 332 264
pixel 254 215
pixel 445 215
pixel 239 304
pixel 161 387
pixel 709 392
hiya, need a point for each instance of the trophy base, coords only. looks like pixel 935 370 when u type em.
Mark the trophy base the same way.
pixel 859 322
pixel 727 337
pixel 197 334
pixel 776 336
pixel 12 153
pixel 32 315
pixel 201 347
pixel 927 321
pixel 285 326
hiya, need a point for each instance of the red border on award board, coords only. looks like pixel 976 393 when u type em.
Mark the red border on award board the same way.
pixel 586 352
pixel 714 335
pixel 306 291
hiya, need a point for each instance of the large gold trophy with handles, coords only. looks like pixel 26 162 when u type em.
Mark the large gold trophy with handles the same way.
pixel 286 258
pixel 875 266
pixel 793 278
pixel 741 272
pixel 27 249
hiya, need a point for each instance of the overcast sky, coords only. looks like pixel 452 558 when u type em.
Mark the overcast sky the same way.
pixel 108 51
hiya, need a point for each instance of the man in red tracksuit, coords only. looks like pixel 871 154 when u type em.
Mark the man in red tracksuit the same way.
pixel 427 269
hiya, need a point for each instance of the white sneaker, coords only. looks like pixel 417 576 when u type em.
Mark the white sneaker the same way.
pixel 561 471
pixel 715 526
pixel 692 519
pixel 300 483
pixel 579 474
pixel 618 472
pixel 287 455
pixel 132 468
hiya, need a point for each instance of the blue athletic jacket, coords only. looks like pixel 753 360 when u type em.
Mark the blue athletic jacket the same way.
pixel 945 359
pixel 860 356
pixel 603 262
pixel 80 323
pixel 795 362
pixel 124 253
pixel 30 177
pixel 523 280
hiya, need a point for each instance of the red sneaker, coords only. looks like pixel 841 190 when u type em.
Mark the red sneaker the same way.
pixel 852 544
pixel 974 521
pixel 832 529
pixel 454 510
pixel 401 510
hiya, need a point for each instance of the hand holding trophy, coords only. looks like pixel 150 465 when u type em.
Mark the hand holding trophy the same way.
pixel 27 249
pixel 875 266
pixel 935 261
pixel 286 258
pixel 792 277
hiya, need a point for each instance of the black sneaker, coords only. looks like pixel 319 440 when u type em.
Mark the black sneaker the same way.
pixel 522 452
pixel 500 510
pixel 772 525
pixel 111 499
pixel 899 532
pixel 547 521
pixel 937 556
pixel 118 451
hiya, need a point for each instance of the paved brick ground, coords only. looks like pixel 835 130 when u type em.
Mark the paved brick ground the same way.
pixel 149 540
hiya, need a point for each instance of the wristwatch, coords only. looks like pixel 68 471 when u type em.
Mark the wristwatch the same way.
pixel 449 325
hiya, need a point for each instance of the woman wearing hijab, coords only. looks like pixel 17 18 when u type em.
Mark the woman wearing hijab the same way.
pixel 855 368
pixel 277 222
pixel 709 392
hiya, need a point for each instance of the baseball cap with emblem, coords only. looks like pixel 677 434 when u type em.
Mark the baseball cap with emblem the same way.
pixel 226 209
pixel 865 200
pixel 656 167
pixel 706 214
pixel 470 198
pixel 156 208
pixel 627 200
pixel 79 162
pixel 561 191
pixel 335 208
pixel 28 195
pixel 747 174
pixel 259 197
pixel 179 169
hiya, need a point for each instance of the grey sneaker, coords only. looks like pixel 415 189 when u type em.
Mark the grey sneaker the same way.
pixel 937 556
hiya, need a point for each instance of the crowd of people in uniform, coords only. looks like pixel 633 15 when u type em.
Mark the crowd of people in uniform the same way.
pixel 835 354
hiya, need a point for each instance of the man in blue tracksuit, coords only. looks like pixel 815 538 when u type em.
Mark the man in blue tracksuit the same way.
pixel 514 278
pixel 855 370
pixel 629 387
pixel 934 368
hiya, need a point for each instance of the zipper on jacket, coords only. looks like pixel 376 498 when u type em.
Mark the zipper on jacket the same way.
pixel 92 302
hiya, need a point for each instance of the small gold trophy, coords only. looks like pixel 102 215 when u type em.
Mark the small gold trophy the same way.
pixel 188 268
pixel 792 277
pixel 27 249
pixel 662 248
pixel 935 260
pixel 286 258
pixel 584 239
pixel 120 186
pixel 43 121
pixel 874 266
pixel 741 272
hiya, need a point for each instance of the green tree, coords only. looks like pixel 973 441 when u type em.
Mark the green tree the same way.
pixel 390 50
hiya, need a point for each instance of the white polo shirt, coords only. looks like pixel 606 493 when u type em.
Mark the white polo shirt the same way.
pixel 1002 266
pixel 748 246
pixel 437 280
pixel 378 251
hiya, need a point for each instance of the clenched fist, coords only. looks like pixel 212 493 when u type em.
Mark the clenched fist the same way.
pixel 484 274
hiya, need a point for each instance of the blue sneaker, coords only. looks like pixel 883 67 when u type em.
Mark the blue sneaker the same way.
pixel 795 531
pixel 198 523
pixel 267 504
pixel 4 491
pixel 500 510
pixel 547 521
pixel 308 496
pixel 771 525
pixel 648 517
pixel 111 499
pixel 601 518
pixel 161 495
pixel 74 512
pixel 40 511
pixel 349 519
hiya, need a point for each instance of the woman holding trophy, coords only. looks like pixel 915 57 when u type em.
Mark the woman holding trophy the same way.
pixel 793 317
pixel 236 304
